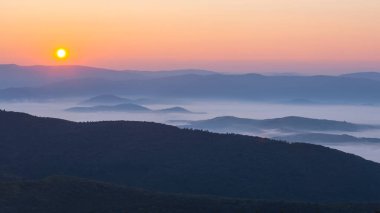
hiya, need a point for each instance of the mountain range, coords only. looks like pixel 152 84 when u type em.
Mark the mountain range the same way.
pixel 285 124
pixel 290 129
pixel 127 107
pixel 364 75
pixel 76 81
pixel 12 75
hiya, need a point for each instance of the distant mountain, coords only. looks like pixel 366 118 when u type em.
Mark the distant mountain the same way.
pixel 169 73
pixel 67 194
pixel 169 159
pixel 115 108
pixel 12 75
pixel 128 107
pixel 323 138
pixel 286 124
pixel 114 100
pixel 364 75
pixel 174 110
pixel 247 87
pixel 105 99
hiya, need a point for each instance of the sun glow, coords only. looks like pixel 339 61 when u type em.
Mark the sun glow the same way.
pixel 61 53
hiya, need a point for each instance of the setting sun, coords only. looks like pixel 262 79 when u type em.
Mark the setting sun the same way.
pixel 61 53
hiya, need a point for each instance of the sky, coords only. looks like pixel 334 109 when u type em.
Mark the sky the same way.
pixel 307 36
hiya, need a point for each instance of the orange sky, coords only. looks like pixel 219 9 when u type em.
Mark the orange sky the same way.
pixel 226 35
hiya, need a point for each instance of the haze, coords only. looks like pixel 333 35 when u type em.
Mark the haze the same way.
pixel 356 114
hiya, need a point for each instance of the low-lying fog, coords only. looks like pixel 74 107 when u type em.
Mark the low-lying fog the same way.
pixel 367 151
pixel 350 113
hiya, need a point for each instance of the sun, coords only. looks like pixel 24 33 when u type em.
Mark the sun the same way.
pixel 61 53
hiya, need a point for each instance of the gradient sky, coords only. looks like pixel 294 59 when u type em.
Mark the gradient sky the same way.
pixel 226 35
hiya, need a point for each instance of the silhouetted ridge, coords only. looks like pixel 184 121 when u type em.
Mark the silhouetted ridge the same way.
pixel 364 75
pixel 168 159
pixel 290 123
pixel 116 108
pixel 168 85
pixel 12 75
pixel 175 110
pixel 128 107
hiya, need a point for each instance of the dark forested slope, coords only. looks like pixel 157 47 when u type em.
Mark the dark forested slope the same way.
pixel 168 159
pixel 67 194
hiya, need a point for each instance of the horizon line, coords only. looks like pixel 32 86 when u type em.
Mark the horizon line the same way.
pixel 300 73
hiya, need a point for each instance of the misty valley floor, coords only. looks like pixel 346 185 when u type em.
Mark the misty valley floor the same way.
pixel 211 109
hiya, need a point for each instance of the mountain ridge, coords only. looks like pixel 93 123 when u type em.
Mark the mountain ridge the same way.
pixel 320 89
pixel 289 123
pixel 169 159
pixel 126 107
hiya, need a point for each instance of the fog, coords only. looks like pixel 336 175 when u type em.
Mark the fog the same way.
pixel 210 109
pixel 367 151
